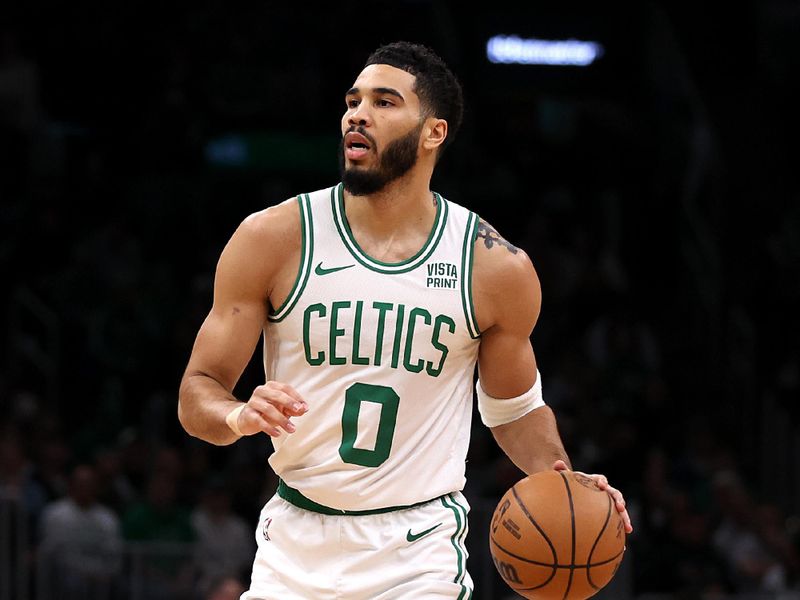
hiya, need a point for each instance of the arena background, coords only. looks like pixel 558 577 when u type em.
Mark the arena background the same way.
pixel 655 190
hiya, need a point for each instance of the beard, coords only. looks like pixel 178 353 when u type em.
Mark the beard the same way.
pixel 394 162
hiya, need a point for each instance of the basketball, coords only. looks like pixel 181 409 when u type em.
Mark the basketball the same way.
pixel 556 535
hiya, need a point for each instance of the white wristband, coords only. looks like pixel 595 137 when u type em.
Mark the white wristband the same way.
pixel 233 419
pixel 499 411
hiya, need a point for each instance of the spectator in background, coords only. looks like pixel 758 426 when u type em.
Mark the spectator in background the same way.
pixel 52 457
pixel 675 553
pixel 624 350
pixel 774 532
pixel 752 564
pixel 22 499
pixel 114 487
pixel 17 481
pixel 164 526
pixel 224 543
pixel 80 541
pixel 225 588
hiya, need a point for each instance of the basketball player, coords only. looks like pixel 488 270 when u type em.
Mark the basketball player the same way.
pixel 375 297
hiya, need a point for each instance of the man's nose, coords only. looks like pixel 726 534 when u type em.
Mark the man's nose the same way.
pixel 360 116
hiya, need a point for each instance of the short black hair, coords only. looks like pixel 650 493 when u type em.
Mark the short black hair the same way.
pixel 438 89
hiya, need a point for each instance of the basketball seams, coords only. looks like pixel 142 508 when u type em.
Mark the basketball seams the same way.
pixel 572 523
pixel 594 546
pixel 555 566
pixel 602 562
pixel 538 563
pixel 535 524
pixel 584 512
pixel 524 509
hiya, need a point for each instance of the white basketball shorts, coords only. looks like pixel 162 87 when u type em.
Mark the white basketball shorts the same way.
pixel 414 553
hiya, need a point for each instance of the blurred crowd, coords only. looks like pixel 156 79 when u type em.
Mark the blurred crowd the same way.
pixel 112 220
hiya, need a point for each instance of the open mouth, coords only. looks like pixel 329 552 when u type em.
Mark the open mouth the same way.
pixel 356 145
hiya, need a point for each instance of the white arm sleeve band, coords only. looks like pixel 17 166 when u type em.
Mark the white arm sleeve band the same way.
pixel 499 411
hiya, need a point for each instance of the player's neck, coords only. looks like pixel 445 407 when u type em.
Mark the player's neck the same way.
pixel 404 204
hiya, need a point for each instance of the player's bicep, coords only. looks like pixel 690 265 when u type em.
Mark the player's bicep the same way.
pixel 225 343
pixel 510 297
pixel 506 362
pixel 228 336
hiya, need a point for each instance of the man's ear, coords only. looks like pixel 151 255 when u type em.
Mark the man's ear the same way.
pixel 434 133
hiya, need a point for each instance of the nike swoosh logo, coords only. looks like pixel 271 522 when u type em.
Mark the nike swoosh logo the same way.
pixel 413 537
pixel 320 270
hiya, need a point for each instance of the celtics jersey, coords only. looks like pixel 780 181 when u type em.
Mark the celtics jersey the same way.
pixel 383 354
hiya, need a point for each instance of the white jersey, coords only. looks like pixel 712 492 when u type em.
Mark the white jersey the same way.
pixel 384 355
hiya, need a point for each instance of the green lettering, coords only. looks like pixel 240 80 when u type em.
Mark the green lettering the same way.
pixel 335 332
pixel 355 395
pixel 398 332
pixel 358 360
pixel 382 308
pixel 440 320
pixel 320 357
pixel 412 322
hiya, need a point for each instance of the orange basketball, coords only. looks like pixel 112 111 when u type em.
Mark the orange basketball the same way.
pixel 556 535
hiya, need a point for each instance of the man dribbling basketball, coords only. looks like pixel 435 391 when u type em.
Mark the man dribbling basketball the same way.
pixel 375 297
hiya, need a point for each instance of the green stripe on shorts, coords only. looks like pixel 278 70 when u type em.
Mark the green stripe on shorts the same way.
pixel 457 540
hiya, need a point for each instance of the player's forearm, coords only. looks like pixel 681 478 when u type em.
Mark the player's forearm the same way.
pixel 532 442
pixel 203 404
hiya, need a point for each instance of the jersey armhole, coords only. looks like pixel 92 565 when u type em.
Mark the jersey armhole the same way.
pixel 306 258
pixel 467 259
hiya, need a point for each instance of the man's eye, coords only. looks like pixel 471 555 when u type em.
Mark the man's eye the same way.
pixel 352 103
pixel 384 103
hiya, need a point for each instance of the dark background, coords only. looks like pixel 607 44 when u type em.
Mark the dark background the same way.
pixel 655 190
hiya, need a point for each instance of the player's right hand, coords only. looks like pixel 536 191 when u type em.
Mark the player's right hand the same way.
pixel 269 408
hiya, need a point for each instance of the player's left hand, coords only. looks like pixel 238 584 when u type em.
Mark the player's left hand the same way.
pixel 602 483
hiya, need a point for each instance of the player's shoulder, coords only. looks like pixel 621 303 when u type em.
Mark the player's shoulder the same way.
pixel 285 219
pixel 278 226
pixel 273 219
pixel 504 282
pixel 263 241
pixel 498 261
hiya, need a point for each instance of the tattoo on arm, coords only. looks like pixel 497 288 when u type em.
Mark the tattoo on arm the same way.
pixel 491 237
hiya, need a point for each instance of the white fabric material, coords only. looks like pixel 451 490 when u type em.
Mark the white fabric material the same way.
pixel 393 337
pixel 499 411
pixel 303 555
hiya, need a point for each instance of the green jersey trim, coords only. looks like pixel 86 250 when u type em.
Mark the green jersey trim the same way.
pixel 306 258
pixel 339 217
pixel 467 260
pixel 294 497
